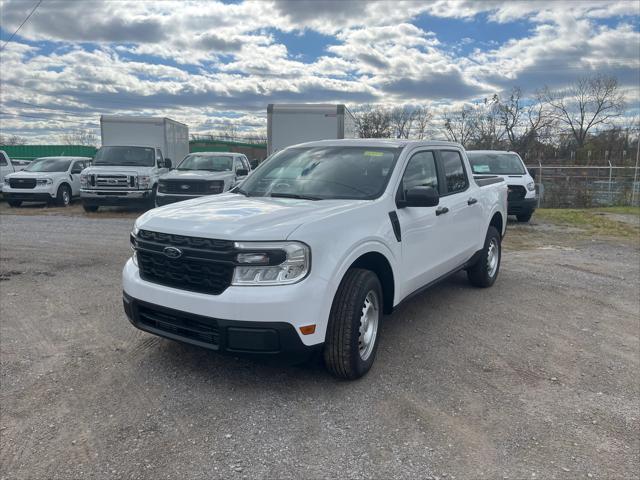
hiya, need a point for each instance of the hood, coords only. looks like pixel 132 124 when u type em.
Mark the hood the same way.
pixel 118 169
pixel 23 174
pixel 236 217
pixel 196 175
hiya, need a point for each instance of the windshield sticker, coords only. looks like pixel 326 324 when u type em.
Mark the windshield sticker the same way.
pixel 373 154
pixel 481 169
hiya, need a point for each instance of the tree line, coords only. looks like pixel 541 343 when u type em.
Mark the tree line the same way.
pixel 569 123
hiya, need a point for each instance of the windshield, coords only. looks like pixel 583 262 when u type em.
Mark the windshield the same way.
pixel 48 165
pixel 323 172
pixel 209 163
pixel 496 163
pixel 139 156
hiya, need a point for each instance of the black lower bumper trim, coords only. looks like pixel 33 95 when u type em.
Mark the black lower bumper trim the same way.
pixel 108 201
pixel 277 340
pixel 526 205
pixel 29 197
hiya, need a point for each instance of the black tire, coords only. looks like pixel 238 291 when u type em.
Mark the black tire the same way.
pixel 63 197
pixel 342 352
pixel 14 203
pixel 90 208
pixel 524 217
pixel 152 198
pixel 480 274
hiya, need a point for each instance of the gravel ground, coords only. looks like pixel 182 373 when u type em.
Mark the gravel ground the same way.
pixel 533 378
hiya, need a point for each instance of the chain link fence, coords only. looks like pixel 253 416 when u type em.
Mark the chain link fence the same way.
pixel 573 186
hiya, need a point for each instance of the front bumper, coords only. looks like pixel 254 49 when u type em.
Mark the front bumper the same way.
pixel 523 206
pixel 41 193
pixel 261 339
pixel 114 197
pixel 166 199
pixel 300 304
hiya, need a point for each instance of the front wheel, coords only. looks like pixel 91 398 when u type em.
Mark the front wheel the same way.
pixel 63 197
pixel 354 325
pixel 484 272
pixel 524 217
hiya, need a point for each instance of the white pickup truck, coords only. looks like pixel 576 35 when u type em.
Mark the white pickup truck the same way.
pixel 202 173
pixel 7 166
pixel 315 245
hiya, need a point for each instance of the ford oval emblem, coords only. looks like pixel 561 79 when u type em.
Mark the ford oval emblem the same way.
pixel 172 252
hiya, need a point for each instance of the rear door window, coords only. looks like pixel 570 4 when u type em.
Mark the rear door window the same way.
pixel 453 171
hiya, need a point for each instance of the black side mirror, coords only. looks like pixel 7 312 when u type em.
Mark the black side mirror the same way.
pixel 241 172
pixel 532 173
pixel 167 163
pixel 253 163
pixel 420 197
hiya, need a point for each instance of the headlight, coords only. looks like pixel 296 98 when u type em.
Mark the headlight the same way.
pixel 133 240
pixel 44 181
pixel 144 181
pixel 531 186
pixel 271 263
pixel 84 180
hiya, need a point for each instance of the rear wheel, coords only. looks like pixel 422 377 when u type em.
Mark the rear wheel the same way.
pixel 63 197
pixel 354 325
pixel 14 203
pixel 524 217
pixel 90 208
pixel 485 271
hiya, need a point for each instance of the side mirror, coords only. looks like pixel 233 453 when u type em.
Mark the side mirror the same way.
pixel 532 173
pixel 421 197
pixel 253 163
pixel 167 163
pixel 241 172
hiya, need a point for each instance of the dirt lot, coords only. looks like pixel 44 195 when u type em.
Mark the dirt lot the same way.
pixel 536 377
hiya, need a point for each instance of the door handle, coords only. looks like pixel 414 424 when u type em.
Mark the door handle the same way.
pixel 441 210
pixel 471 201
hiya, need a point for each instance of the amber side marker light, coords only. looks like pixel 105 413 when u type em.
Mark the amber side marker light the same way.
pixel 308 329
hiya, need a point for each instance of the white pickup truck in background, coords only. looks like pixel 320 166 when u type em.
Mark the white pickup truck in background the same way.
pixel 313 247
pixel 46 179
pixel 199 174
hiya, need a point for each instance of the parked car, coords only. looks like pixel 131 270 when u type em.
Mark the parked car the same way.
pixel 522 198
pixel 135 152
pixel 8 166
pixel 46 179
pixel 205 173
pixel 313 247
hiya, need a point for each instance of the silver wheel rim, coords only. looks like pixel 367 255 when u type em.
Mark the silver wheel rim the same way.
pixel 368 330
pixel 493 254
pixel 65 196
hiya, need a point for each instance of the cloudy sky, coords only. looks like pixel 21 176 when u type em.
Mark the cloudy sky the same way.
pixel 212 63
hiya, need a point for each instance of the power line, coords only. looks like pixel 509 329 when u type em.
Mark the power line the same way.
pixel 23 22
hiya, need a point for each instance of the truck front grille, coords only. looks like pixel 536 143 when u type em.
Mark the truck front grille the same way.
pixel 121 182
pixel 191 187
pixel 189 326
pixel 22 182
pixel 204 265
pixel 516 192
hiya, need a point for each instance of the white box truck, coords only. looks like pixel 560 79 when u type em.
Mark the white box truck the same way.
pixel 290 124
pixel 135 152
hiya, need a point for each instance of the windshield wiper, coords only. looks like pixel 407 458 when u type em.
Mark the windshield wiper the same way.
pixel 294 195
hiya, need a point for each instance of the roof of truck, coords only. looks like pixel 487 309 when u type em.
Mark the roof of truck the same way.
pixel 379 142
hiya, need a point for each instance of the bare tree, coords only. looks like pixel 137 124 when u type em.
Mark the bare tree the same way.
pixel 589 102
pixel 459 125
pixel 523 122
pixel 80 137
pixel 488 130
pixel 402 118
pixel 373 122
pixel 12 140
pixel 423 118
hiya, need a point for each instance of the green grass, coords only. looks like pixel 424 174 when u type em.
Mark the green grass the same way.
pixel 593 221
